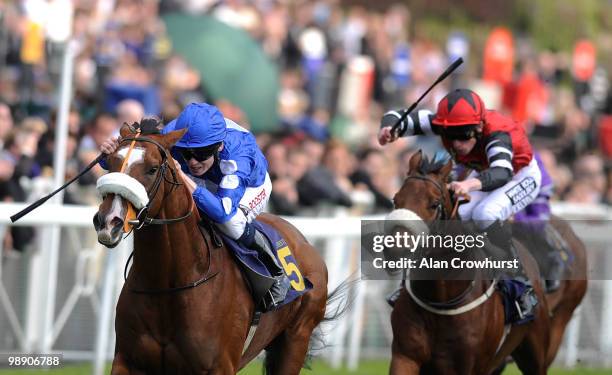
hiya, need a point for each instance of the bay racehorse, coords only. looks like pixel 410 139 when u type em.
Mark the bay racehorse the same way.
pixel 566 299
pixel 185 307
pixel 446 326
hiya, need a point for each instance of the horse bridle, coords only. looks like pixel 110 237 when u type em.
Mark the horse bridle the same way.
pixel 161 174
pixel 140 222
pixel 441 211
pixel 443 214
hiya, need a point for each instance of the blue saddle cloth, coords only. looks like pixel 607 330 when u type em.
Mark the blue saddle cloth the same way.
pixel 511 291
pixel 250 258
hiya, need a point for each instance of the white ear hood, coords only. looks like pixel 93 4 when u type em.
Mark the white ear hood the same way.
pixel 406 219
pixel 124 185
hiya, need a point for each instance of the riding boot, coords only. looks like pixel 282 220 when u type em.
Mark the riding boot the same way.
pixel 500 237
pixel 501 247
pixel 553 280
pixel 254 239
pixel 555 245
pixel 555 268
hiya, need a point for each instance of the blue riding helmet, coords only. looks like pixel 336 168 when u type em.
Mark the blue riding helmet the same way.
pixel 205 125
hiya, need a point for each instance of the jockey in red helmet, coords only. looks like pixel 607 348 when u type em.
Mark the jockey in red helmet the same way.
pixel 505 177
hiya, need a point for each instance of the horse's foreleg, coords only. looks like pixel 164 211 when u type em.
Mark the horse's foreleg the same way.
pixel 530 355
pixel 402 365
pixel 119 366
pixel 288 352
pixel 562 315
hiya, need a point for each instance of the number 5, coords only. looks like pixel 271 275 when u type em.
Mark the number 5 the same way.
pixel 291 268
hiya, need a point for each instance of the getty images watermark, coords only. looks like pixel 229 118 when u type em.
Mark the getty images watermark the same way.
pixel 455 250
pixel 406 242
pixel 450 250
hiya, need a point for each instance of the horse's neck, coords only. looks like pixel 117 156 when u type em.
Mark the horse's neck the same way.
pixel 170 255
pixel 440 290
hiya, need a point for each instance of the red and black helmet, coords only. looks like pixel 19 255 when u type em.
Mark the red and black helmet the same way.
pixel 459 112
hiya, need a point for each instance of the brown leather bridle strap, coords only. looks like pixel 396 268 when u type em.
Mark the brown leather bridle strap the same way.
pixel 463 198
pixel 161 175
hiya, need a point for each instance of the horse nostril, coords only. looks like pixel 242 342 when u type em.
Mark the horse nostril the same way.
pixel 97 221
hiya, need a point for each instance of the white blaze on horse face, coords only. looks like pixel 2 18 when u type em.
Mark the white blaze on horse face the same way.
pixel 136 156
pixel 115 211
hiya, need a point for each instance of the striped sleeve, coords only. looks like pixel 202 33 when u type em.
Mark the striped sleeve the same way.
pixel 418 123
pixel 499 154
pixel 499 150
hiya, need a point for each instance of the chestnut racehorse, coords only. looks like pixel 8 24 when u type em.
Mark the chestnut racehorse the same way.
pixel 185 307
pixel 457 326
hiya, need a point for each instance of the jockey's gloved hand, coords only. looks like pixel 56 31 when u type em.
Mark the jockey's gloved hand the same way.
pixel 110 145
pixel 385 135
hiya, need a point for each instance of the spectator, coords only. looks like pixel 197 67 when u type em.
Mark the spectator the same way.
pixel 124 65
pixel 276 154
pixel 129 111
pixel 329 181
pixel 17 162
pixel 6 122
pixel 102 128
pixel 338 160
pixel 589 171
pixel 371 176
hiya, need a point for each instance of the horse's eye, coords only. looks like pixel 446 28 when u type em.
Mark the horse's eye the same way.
pixel 153 170
pixel 434 205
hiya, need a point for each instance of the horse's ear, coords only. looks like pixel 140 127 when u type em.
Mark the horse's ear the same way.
pixel 415 161
pixel 171 138
pixel 126 131
pixel 446 169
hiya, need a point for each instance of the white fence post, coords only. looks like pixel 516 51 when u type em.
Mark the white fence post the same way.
pixel 106 309
pixel 356 335
pixel 573 335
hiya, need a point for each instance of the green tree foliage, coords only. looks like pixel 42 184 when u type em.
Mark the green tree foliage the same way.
pixel 557 24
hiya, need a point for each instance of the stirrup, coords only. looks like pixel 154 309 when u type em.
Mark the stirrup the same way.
pixel 279 290
pixel 525 305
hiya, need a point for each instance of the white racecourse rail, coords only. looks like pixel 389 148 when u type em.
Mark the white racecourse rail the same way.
pixel 62 300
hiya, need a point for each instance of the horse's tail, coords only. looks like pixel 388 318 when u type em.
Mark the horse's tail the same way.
pixel 341 302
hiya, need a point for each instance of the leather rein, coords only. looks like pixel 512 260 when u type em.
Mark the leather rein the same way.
pixel 441 211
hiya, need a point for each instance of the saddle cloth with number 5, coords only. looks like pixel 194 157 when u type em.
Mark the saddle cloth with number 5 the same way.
pixel 250 258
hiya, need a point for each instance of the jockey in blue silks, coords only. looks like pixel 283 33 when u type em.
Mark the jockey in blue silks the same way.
pixel 226 172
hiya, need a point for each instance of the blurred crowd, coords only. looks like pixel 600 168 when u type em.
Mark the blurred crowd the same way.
pixel 341 67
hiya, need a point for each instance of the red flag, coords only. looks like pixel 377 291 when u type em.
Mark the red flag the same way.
pixel 583 62
pixel 499 56
pixel 531 98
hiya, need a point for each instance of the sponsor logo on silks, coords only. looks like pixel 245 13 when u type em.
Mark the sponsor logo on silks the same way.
pixel 258 199
pixel 519 192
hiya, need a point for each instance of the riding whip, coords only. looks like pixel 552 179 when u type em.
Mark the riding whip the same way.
pixel 42 200
pixel 446 73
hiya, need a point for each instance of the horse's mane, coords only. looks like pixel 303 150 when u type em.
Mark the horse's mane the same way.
pixel 148 126
pixel 439 160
